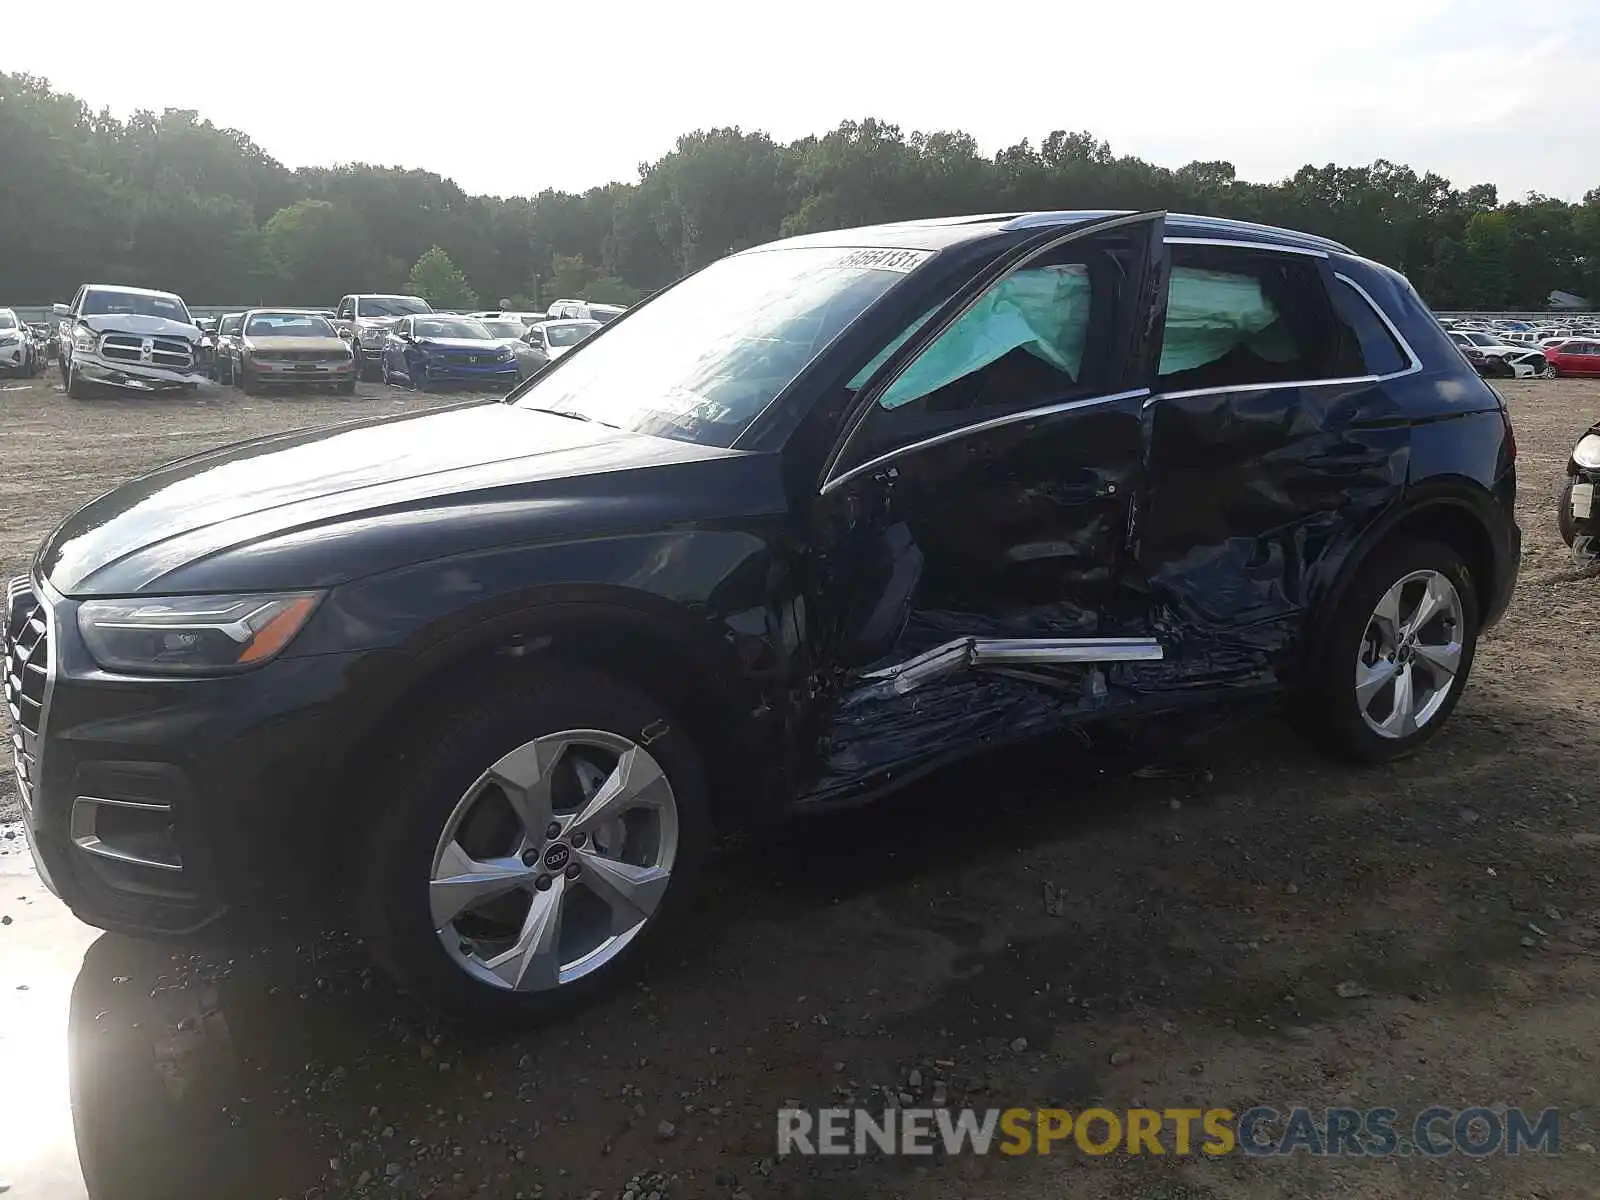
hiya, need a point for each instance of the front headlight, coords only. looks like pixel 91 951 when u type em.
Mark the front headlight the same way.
pixel 371 337
pixel 506 354
pixel 1587 452
pixel 85 340
pixel 192 635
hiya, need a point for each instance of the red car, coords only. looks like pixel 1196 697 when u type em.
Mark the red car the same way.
pixel 1580 356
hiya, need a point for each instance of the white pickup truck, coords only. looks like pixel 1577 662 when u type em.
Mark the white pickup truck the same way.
pixel 130 338
pixel 366 318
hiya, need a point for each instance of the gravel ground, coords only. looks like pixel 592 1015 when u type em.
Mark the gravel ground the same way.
pixel 1270 930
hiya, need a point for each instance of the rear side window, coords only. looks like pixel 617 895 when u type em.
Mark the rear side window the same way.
pixel 1242 318
pixel 1380 351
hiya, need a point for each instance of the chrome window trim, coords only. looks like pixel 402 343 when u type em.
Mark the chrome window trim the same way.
pixel 1411 355
pixel 1274 386
pixel 1231 243
pixel 876 387
pixel 950 435
pixel 1394 331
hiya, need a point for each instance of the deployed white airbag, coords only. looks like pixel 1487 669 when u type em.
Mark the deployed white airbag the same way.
pixel 1211 312
pixel 1044 310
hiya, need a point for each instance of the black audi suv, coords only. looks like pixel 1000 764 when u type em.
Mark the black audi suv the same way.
pixel 813 521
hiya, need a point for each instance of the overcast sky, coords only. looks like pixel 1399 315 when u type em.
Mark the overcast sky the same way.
pixel 511 98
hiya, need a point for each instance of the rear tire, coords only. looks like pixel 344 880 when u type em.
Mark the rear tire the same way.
pixel 1342 703
pixel 436 778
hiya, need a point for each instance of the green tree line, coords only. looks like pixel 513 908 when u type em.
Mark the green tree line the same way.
pixel 172 201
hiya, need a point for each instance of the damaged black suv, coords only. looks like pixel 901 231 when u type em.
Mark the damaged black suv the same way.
pixel 809 523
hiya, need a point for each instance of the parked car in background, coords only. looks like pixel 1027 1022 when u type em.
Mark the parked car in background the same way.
pixel 1488 366
pixel 1575 356
pixel 366 319
pixel 820 518
pixel 513 335
pixel 583 310
pixel 426 351
pixel 1575 508
pixel 226 368
pixel 285 347
pixel 525 319
pixel 1529 363
pixel 130 338
pixel 19 352
pixel 555 338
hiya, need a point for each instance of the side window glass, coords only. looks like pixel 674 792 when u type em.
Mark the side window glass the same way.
pixel 1236 318
pixel 1380 353
pixel 1020 344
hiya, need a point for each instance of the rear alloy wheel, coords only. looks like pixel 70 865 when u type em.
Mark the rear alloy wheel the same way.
pixel 1396 656
pixel 531 836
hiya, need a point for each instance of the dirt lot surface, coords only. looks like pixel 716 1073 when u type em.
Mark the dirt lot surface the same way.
pixel 1273 931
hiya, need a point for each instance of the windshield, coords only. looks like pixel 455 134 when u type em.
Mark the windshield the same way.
pixel 100 303
pixel 454 327
pixel 699 362
pixel 288 325
pixel 604 315
pixel 571 334
pixel 504 329
pixel 390 306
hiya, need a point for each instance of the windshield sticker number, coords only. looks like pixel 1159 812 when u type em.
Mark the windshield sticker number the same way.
pixel 901 261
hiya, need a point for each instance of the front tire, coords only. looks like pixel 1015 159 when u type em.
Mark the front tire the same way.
pixel 1394 657
pixel 247 381
pixel 1565 521
pixel 76 388
pixel 531 837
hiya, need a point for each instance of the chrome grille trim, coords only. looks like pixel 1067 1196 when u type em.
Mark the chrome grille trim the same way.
pixel 26 649
pixel 86 835
pixel 172 353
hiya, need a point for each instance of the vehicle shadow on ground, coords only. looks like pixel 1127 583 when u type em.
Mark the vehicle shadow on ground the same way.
pixel 1243 897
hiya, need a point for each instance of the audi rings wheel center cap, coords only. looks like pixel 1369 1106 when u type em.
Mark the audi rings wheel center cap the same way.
pixel 557 857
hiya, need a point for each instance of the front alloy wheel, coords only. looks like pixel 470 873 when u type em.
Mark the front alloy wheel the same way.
pixel 532 836
pixel 1410 655
pixel 554 860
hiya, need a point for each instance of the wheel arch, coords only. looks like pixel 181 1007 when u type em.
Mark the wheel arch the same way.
pixel 1453 512
pixel 636 638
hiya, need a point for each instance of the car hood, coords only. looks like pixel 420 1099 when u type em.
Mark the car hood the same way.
pixel 159 532
pixel 142 325
pixel 469 344
pixel 327 345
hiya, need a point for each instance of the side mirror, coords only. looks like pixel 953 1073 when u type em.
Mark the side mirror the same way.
pixel 60 310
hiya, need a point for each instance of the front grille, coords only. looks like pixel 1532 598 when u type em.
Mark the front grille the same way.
pixel 172 353
pixel 26 648
pixel 311 356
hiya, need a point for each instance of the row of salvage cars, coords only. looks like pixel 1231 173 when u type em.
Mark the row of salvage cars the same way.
pixel 136 339
pixel 1494 357
pixel 24 347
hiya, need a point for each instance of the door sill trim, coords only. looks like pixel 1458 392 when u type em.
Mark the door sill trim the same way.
pixel 966 653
